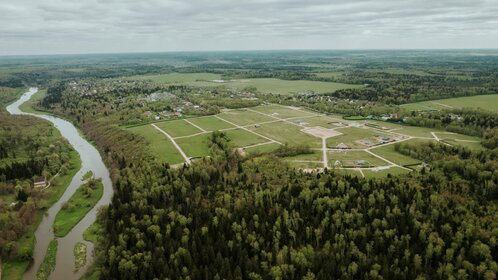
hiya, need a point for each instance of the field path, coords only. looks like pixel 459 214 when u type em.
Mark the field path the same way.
pixel 246 129
pixel 187 159
pixel 386 160
pixel 198 127
pixel 324 151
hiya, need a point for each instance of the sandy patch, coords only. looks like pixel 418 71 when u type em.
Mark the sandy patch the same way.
pixel 321 132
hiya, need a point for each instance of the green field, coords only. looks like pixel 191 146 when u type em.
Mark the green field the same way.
pixel 384 173
pixel 158 144
pixel 76 208
pixel 195 146
pixel 266 85
pixel 210 123
pixel 242 138
pixel 349 158
pixel 263 148
pixel 390 154
pixel 178 128
pixel 287 133
pixel 244 117
pixel 353 135
pixel 177 77
pixel 486 102
pixel 282 112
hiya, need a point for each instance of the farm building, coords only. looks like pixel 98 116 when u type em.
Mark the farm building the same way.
pixel 40 182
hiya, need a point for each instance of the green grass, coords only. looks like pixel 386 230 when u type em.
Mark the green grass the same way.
pixel 383 173
pixel 14 270
pixel 195 146
pixel 390 154
pixel 351 135
pixel 263 148
pixel 30 105
pixel 476 146
pixel 93 232
pixel 282 112
pixel 319 121
pixel 266 85
pixel 485 102
pixel 315 156
pixel 177 77
pixel 79 255
pixel 243 117
pixel 87 175
pixel 76 208
pixel 210 123
pixel 347 158
pixel 48 264
pixel 178 128
pixel 305 165
pixel 158 144
pixel 287 133
pixel 241 138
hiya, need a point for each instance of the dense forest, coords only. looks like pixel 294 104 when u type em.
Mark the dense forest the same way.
pixel 233 218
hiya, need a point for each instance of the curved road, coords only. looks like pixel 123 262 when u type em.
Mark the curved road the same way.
pixel 90 161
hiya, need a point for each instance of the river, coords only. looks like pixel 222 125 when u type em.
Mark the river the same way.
pixel 90 161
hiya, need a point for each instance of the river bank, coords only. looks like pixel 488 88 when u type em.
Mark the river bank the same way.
pixel 90 161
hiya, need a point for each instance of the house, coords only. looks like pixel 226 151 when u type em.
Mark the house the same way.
pixel 40 182
pixel 342 146
pixel 337 163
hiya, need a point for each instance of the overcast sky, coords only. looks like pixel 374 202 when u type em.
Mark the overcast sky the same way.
pixel 90 26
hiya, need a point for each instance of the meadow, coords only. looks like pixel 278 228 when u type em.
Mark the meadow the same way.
pixel 485 102
pixel 262 129
pixel 265 85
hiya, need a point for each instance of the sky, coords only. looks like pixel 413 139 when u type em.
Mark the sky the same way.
pixel 112 26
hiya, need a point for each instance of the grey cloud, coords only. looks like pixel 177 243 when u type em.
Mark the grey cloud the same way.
pixel 60 26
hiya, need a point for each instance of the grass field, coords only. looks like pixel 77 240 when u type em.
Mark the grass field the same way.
pixel 287 133
pixel 281 124
pixel 353 135
pixel 159 145
pixel 178 128
pixel 384 173
pixel 244 117
pixel 390 154
pixel 266 85
pixel 282 112
pixel 210 123
pixel 195 146
pixel 76 208
pixel 486 102
pixel 349 158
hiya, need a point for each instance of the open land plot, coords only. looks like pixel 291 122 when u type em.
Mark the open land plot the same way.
pixel 322 121
pixel 305 165
pixel 241 138
pixel 177 77
pixel 486 102
pixel 244 117
pixel 266 85
pixel 178 128
pixel 388 152
pixel 454 136
pixel 210 123
pixel 384 172
pixel 195 146
pixel 477 146
pixel 263 148
pixel 160 146
pixel 292 87
pixel 282 112
pixel 354 159
pixel 357 138
pixel 287 133
pixel 315 156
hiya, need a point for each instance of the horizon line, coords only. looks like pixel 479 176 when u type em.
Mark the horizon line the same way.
pixel 247 50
